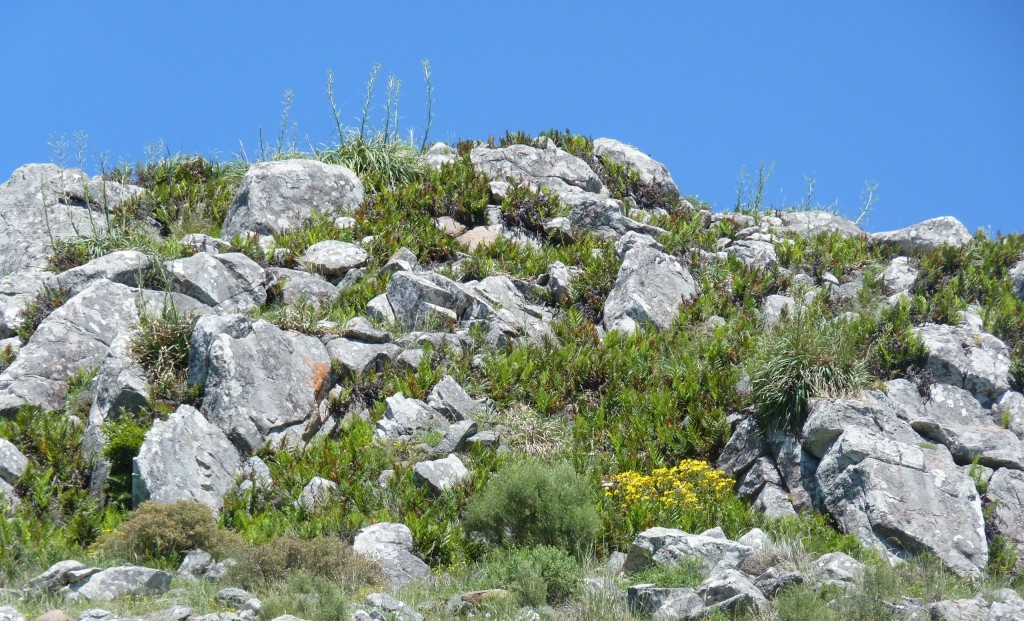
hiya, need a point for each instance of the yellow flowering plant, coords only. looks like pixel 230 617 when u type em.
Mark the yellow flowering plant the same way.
pixel 689 496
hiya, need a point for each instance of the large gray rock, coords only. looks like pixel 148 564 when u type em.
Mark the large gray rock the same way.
pixel 451 400
pixel 121 385
pixel 278 196
pixel 602 217
pixel 389 546
pixel 230 282
pixel 650 171
pixel 127 267
pixel 775 308
pixel 404 418
pixel 899 276
pixel 669 546
pixel 353 358
pixel 650 288
pixel 509 315
pixel 1017 279
pixel 438 155
pixel 647 600
pixel 966 357
pixel 897 494
pixel 753 253
pixel 75 337
pixel 260 383
pixel 440 474
pixel 41 203
pixel 333 258
pixel 425 299
pixel 297 287
pixel 928 235
pixel 815 222
pixel 10 613
pixel 1005 499
pixel 550 168
pixel 185 458
pixel 58 575
pixel 744 448
pixel 16 292
pixel 126 580
pixel 316 494
pixel 731 591
pixel 12 462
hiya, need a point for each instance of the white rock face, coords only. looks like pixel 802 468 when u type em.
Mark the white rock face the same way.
pixel 650 288
pixel 650 171
pixel 928 235
pixel 389 545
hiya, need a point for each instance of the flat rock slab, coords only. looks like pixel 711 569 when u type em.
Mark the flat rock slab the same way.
pixel 75 337
pixel 669 546
pixel 440 474
pixel 126 267
pixel 126 580
pixel 332 258
pixel 550 168
pixel 275 197
pixel 815 222
pixel 185 458
pixel 926 236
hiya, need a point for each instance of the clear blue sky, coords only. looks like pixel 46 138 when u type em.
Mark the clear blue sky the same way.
pixel 925 98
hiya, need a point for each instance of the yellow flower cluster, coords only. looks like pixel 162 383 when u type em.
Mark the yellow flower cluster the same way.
pixel 688 486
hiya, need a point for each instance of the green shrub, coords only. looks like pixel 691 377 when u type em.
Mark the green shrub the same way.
pixel 539 576
pixel 687 573
pixel 804 357
pixel 124 436
pixel 327 558
pixel 7 356
pixel 165 531
pixel 306 596
pixel 533 503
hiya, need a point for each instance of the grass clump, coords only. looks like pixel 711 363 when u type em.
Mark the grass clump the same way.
pixel 533 503
pixel 803 358
pixel 7 356
pixel 165 531
pixel 46 301
pixel 160 344
pixel 538 576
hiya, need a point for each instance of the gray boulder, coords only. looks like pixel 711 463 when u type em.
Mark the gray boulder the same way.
pixel 762 472
pixel 775 308
pixel 975 609
pixel 647 600
pixel 451 400
pixel 894 492
pixel 899 276
pixel 275 197
pixel 297 287
pixel 126 580
pixel 260 383
pixel 774 501
pixel 602 217
pixel 16 292
pixel 404 418
pixel 73 338
pixel 753 253
pixel 838 567
pixel 12 462
pixel 744 448
pixel 41 203
pixel 185 458
pixel 815 222
pixel 200 242
pixel 316 494
pixel 239 599
pixel 650 171
pixel 440 474
pixel 127 267
pixel 425 299
pixel 332 258
pixel 359 329
pixel 456 437
pixel 668 546
pixel 353 358
pixel 550 168
pixel 650 288
pixel 926 236
pixel 230 282
pixel 389 546
pixel 966 357
pixel 121 385
pixel 1016 276
pixel 731 591
pixel 1008 412
pixel 438 155
pixel 508 314
pixel 1005 499
pixel 10 613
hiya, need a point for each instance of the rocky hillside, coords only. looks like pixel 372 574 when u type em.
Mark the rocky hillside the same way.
pixel 523 379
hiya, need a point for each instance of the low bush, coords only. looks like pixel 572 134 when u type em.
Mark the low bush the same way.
pixel 533 503
pixel 323 558
pixel 165 531
pixel 539 576
pixel 7 356
pixel 306 596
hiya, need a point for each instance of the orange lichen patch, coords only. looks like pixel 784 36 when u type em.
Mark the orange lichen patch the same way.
pixel 319 372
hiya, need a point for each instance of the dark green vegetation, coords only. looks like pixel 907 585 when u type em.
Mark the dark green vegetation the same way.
pixel 578 408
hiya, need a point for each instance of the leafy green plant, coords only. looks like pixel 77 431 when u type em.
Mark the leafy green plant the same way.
pixel 799 359
pixel 7 356
pixel 160 344
pixel 123 440
pixel 541 575
pixel 533 503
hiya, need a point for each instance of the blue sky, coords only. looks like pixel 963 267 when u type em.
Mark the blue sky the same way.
pixel 924 98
